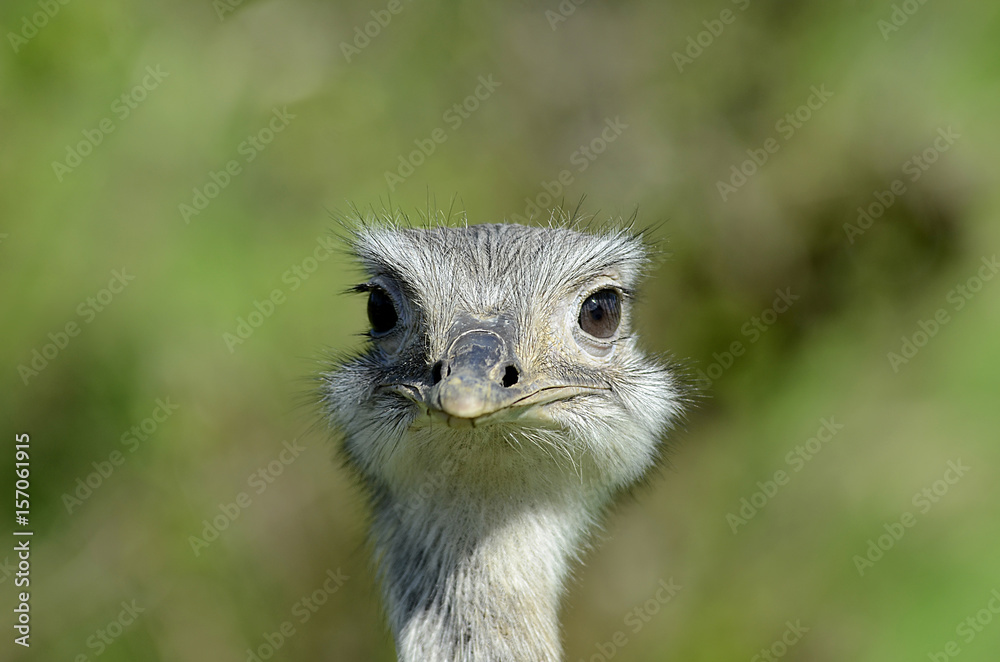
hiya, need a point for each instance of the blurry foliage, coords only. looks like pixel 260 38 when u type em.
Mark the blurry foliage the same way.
pixel 723 260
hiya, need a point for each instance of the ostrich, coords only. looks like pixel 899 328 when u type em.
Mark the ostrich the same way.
pixel 501 407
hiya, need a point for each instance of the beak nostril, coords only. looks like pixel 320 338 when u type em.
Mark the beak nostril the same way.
pixel 509 376
pixel 436 373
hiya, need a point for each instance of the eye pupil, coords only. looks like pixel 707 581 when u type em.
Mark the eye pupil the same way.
pixel 601 313
pixel 381 311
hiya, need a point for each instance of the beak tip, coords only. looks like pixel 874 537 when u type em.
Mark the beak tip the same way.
pixel 461 399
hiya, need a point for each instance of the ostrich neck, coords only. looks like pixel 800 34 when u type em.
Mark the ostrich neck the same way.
pixel 478 577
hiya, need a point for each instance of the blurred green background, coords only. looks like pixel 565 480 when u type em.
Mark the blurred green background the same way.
pixel 115 115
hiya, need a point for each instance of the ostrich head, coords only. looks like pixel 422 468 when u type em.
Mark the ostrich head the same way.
pixel 501 406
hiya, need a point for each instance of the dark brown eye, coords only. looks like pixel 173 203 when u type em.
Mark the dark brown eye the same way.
pixel 381 311
pixel 601 313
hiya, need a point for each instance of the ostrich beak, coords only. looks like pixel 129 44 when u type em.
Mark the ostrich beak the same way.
pixel 479 378
pixel 477 372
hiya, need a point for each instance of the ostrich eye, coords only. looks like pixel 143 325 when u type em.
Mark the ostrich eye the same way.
pixel 601 313
pixel 381 311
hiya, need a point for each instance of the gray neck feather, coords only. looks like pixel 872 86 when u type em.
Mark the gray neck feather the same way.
pixel 478 578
